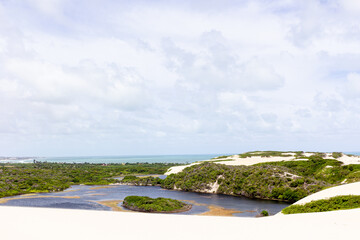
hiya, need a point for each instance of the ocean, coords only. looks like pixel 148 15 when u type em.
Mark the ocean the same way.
pixel 188 158
pixel 131 159
pixel 353 153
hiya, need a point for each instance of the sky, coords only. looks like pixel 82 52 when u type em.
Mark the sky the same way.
pixel 112 77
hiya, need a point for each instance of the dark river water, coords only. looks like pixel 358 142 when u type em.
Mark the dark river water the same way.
pixel 87 197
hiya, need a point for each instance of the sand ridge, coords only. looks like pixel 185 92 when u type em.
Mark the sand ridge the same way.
pixel 236 160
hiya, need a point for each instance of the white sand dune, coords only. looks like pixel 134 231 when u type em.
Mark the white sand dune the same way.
pixel 60 224
pixel 346 189
pixel 235 160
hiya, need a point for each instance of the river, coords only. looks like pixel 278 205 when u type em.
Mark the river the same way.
pixel 99 197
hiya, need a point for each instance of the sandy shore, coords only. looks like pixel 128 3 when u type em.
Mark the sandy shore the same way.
pixel 235 160
pixel 43 223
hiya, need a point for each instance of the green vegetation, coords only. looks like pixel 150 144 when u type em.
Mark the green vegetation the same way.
pixel 284 181
pixel 331 204
pixel 265 154
pixel 219 157
pixel 328 170
pixel 264 182
pixel 337 154
pixel 49 177
pixel 142 181
pixel 147 204
pixel 264 213
pixel 299 154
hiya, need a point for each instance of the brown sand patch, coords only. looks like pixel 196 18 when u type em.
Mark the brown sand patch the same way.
pixel 113 204
pixel 5 200
pixel 29 195
pixel 101 187
pixel 145 176
pixel 249 211
pixel 195 203
pixel 219 211
pixel 96 194
pixel 73 190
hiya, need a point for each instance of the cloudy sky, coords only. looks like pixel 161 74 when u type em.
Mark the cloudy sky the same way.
pixel 175 77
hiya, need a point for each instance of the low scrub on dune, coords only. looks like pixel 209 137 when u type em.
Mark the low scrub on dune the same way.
pixel 324 205
pixel 264 182
pixel 328 170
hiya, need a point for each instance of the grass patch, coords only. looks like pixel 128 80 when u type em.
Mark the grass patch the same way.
pixel 325 205
pixel 161 205
pixel 265 154
pixel 142 181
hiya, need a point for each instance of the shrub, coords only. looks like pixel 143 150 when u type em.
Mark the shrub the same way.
pixel 324 205
pixel 337 154
pixel 147 204
pixel 264 213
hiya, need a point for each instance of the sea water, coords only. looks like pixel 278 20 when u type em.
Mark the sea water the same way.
pixel 188 158
pixel 133 159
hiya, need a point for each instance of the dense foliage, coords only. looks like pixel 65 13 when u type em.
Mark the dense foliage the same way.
pixel 141 181
pixel 266 154
pixel 264 213
pixel 328 170
pixel 262 154
pixel 337 154
pixel 331 204
pixel 147 204
pixel 285 180
pixel 265 182
pixel 47 177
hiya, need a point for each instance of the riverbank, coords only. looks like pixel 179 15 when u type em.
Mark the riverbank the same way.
pixel 58 224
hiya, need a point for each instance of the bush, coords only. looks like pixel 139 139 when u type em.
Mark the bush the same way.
pixel 264 213
pixel 262 181
pixel 337 154
pixel 324 205
pixel 147 204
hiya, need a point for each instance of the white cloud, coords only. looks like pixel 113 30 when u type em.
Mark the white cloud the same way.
pixel 353 84
pixel 199 76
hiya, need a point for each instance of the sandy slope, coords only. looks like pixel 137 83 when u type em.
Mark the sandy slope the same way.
pixel 346 189
pixel 55 224
pixel 235 160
